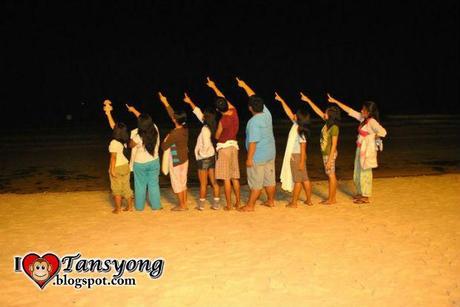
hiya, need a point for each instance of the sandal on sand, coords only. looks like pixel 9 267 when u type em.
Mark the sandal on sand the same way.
pixel 361 201
pixel 268 205
pixel 245 209
pixel 291 206
pixel 178 208
pixel 227 208
pixel 308 204
pixel 357 196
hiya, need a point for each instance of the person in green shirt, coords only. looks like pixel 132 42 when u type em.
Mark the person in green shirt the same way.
pixel 328 142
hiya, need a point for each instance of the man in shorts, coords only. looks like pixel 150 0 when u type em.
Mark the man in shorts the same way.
pixel 260 144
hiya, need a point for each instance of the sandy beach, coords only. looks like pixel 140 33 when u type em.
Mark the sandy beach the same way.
pixel 402 250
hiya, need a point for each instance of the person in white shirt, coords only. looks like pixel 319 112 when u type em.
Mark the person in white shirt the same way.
pixel 205 153
pixel 119 172
pixel 369 130
pixel 145 142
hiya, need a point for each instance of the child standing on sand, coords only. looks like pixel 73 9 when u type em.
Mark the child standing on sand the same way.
pixel 119 165
pixel 227 165
pixel 177 142
pixel 369 130
pixel 294 174
pixel 205 153
pixel 329 140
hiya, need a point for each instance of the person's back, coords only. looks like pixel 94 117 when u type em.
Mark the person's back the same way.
pixel 230 124
pixel 260 129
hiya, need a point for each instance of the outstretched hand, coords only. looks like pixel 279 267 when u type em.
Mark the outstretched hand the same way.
pixel 277 97
pixel 130 108
pixel 187 99
pixel 163 99
pixel 304 97
pixel 331 99
pixel 107 106
pixel 240 82
pixel 210 83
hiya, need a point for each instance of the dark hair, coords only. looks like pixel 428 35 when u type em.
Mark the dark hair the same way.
pixel 256 103
pixel 209 119
pixel 180 117
pixel 333 114
pixel 221 104
pixel 147 131
pixel 371 107
pixel 303 121
pixel 120 133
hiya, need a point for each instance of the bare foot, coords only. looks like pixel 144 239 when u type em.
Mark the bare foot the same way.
pixel 308 203
pixel 237 206
pixel 246 208
pixel 128 209
pixel 291 205
pixel 116 211
pixel 228 208
pixel 357 196
pixel 327 202
pixel 268 204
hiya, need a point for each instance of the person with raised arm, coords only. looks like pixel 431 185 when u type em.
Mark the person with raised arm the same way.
pixel 205 153
pixel 260 144
pixel 369 133
pixel 227 166
pixel 119 172
pixel 177 141
pixel 329 140
pixel 145 162
pixel 294 174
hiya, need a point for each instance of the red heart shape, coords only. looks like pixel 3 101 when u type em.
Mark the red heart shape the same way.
pixel 41 269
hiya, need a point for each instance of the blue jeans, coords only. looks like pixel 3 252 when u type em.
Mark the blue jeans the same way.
pixel 146 178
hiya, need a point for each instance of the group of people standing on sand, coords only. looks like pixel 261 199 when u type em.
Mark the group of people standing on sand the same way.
pixel 216 152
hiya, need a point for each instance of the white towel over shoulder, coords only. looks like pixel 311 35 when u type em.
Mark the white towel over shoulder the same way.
pixel 287 183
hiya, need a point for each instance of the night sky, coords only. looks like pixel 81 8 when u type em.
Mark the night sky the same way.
pixel 66 57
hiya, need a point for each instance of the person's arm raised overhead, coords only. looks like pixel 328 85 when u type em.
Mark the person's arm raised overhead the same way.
pixel 133 110
pixel 213 86
pixel 189 101
pixel 218 93
pixel 315 108
pixel 108 112
pixel 245 87
pixel 285 106
pixel 167 106
pixel 196 110
pixel 340 104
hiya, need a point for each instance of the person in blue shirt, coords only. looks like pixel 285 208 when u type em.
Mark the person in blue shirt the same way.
pixel 260 144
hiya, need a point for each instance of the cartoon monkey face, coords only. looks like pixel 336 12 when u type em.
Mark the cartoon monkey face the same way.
pixel 40 269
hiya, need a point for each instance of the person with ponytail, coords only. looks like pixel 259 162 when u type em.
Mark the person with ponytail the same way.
pixel 119 172
pixel 145 142
pixel 294 174
pixel 177 142
pixel 205 153
pixel 369 133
